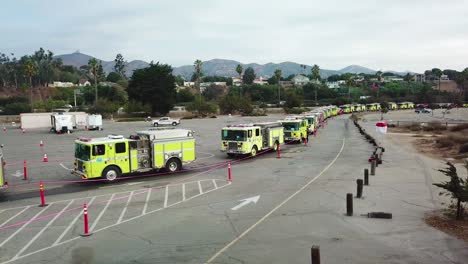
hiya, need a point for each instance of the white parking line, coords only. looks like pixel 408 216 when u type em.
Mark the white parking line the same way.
pixel 42 231
pixel 243 234
pixel 63 166
pixel 91 200
pixel 183 192
pixel 23 226
pixel 214 183
pixel 146 201
pixel 166 196
pixel 71 224
pixel 102 213
pixel 200 188
pixel 125 208
pixel 13 217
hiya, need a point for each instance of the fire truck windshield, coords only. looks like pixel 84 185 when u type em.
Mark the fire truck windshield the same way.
pixel 82 152
pixel 291 126
pixel 234 135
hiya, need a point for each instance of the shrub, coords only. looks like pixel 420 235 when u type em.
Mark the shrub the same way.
pixel 16 108
pixel 459 127
pixel 463 148
pixel 444 142
pixel 459 139
pixel 414 127
pixel 436 126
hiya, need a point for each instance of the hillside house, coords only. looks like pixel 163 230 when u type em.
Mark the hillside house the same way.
pixel 419 78
pixel 260 81
pixel 189 84
pixel 300 80
pixel 236 81
pixel 84 82
pixel 335 85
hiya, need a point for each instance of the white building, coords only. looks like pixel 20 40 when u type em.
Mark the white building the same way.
pixel 260 81
pixel 335 85
pixel 84 82
pixel 189 84
pixel 236 81
pixel 300 80
pixel 62 84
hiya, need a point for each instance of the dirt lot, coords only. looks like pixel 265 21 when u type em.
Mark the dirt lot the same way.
pixel 436 140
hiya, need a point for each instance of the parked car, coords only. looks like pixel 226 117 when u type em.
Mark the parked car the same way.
pixel 166 121
pixel 422 110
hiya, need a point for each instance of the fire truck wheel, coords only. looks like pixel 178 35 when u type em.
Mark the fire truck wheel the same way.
pixel 111 173
pixel 155 124
pixel 173 165
pixel 253 152
pixel 174 123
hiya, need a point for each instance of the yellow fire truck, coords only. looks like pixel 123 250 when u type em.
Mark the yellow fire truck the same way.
pixel 3 182
pixel 115 155
pixel 313 120
pixel 250 138
pixel 295 129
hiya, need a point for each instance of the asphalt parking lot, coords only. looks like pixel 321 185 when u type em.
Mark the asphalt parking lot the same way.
pixel 273 211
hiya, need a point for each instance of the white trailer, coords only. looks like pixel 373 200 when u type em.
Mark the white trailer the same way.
pixel 61 123
pixel 94 122
pixel 42 120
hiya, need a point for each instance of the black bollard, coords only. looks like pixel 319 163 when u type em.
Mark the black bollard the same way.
pixel 349 204
pixel 359 188
pixel 366 176
pixel 315 254
pixel 372 168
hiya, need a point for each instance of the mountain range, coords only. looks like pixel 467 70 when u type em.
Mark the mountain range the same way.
pixel 219 67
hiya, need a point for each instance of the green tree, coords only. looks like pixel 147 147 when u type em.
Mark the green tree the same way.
pixel 316 76
pixel 31 70
pixel 202 107
pixel 154 85
pixel 213 92
pixel 239 70
pixel 249 76
pixel 198 65
pixel 119 66
pixel 456 187
pixel 292 99
pixel 184 95
pixel 113 77
pixel 179 80
pixel 94 68
pixel 278 74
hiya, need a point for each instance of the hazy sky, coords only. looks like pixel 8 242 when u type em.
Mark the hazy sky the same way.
pixel 388 35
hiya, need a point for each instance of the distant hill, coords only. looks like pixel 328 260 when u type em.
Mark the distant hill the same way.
pixel 356 69
pixel 78 59
pixel 220 67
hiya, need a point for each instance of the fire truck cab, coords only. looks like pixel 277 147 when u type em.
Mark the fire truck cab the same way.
pixel 295 129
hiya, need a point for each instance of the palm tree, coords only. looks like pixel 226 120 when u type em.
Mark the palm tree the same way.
pixel 239 70
pixel 278 78
pixel 378 74
pixel 198 64
pixel 316 76
pixel 349 83
pixel 31 70
pixel 93 67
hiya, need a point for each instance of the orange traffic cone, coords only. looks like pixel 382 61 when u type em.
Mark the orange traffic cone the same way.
pixel 41 144
pixel 45 159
